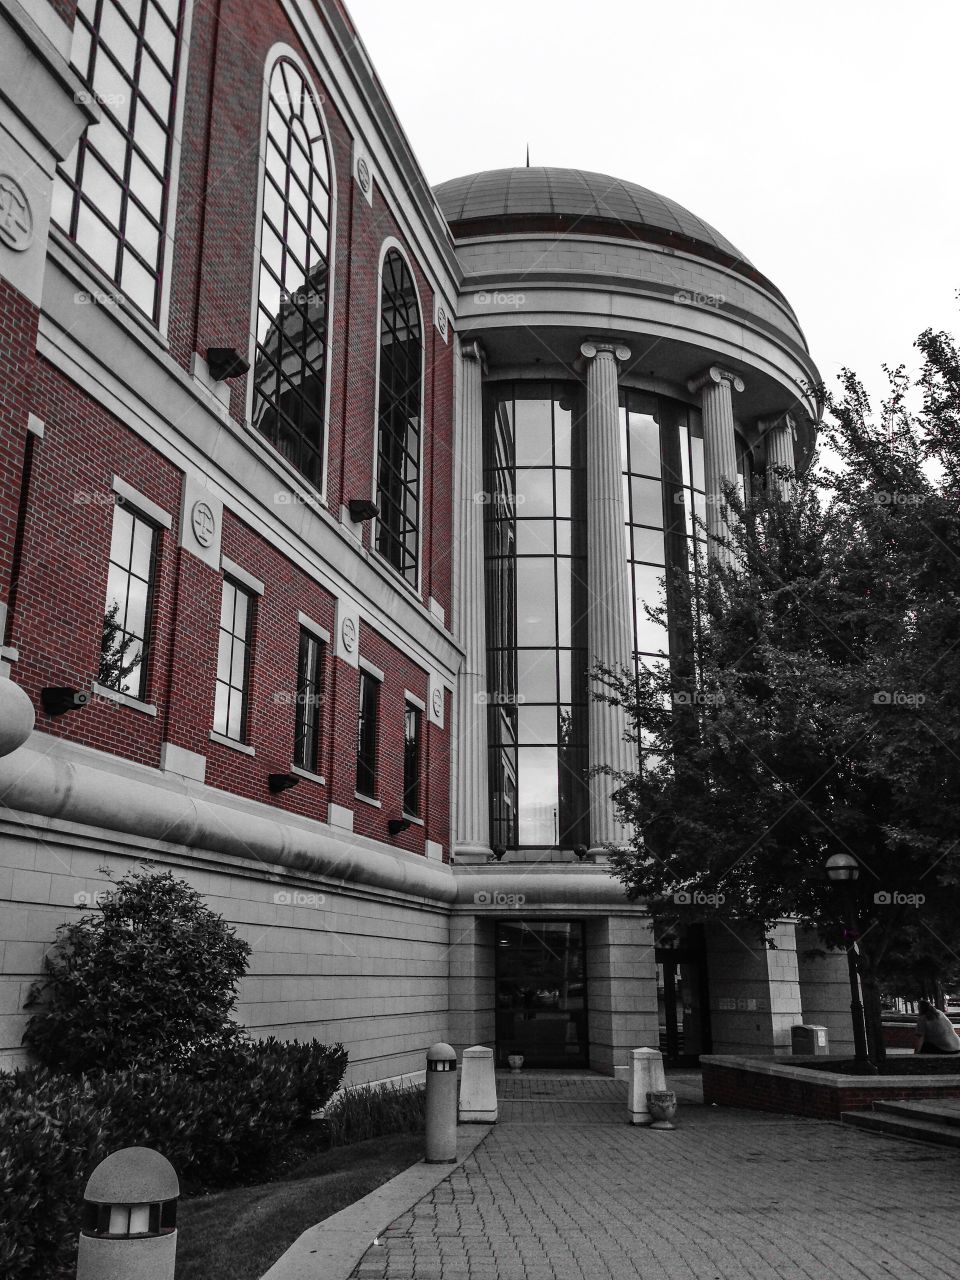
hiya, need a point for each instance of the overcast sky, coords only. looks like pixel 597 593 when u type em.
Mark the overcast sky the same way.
pixel 821 139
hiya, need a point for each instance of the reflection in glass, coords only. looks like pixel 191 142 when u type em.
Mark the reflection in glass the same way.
pixel 290 370
pixel 541 992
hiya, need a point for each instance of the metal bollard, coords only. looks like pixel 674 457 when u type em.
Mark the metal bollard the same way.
pixel 441 1105
pixel 129 1227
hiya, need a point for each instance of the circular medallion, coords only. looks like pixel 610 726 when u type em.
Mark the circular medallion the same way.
pixel 442 321
pixel 348 634
pixel 438 703
pixel 16 219
pixel 204 522
pixel 363 174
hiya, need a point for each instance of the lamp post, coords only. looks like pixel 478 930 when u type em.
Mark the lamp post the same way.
pixel 843 870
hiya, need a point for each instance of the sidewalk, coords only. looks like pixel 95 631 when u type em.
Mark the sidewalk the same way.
pixel 563 1189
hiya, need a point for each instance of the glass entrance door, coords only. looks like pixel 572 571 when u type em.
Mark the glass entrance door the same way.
pixel 541 993
pixel 683 1004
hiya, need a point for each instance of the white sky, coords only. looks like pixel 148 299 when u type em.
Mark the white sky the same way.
pixel 820 138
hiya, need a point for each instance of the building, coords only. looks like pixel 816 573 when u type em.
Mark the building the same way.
pixel 314 492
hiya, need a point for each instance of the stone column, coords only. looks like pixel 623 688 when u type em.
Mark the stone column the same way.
pixel 779 436
pixel 609 610
pixel 472 796
pixel 716 387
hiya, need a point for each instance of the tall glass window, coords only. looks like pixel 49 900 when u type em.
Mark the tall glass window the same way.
pixel 126 618
pixel 306 748
pixel 233 661
pixel 411 760
pixel 536 569
pixel 289 381
pixel 110 194
pixel 399 410
pixel 367 735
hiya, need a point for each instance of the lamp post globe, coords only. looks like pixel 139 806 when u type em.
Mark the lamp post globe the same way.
pixel 842 866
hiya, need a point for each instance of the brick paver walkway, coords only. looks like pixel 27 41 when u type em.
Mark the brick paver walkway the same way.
pixel 563 1189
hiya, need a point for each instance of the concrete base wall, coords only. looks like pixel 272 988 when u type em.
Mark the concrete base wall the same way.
pixel 366 969
pixel 754 991
pixel 621 990
pixel 472 1017
pixel 825 992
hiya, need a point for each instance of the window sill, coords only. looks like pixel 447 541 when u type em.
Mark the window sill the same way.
pixel 124 699
pixel 368 800
pixel 305 773
pixel 224 741
pixel 414 822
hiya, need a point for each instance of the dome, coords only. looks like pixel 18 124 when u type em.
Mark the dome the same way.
pixel 543 199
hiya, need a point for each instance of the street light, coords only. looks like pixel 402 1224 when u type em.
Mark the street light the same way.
pixel 844 870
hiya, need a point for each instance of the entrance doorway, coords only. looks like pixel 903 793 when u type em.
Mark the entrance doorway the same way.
pixel 541 989
pixel 683 1000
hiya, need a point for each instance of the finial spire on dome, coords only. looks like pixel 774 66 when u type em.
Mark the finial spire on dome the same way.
pixel 528 155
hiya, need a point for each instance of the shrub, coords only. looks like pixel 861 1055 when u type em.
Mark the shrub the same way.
pixel 358 1114
pixel 150 974
pixel 218 1117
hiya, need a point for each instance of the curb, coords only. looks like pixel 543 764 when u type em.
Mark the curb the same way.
pixel 339 1242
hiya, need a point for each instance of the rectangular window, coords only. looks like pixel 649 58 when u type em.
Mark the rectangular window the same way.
pixel 367 735
pixel 306 749
pixel 233 661
pixel 411 760
pixel 111 192
pixel 129 604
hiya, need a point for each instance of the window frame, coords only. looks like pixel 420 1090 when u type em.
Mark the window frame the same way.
pixel 158 316
pixel 415 810
pixel 391 243
pixel 147 639
pixel 366 679
pixel 251 597
pixel 308 637
pixel 275 54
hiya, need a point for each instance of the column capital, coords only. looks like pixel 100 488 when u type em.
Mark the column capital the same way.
pixel 474 351
pixel 716 375
pixel 591 348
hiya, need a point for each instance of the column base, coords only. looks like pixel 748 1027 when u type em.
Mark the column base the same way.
pixel 472 854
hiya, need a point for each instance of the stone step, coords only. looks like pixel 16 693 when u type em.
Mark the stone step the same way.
pixel 894 1126
pixel 942 1111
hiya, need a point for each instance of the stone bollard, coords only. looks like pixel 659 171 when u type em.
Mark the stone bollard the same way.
pixel 646 1076
pixel 441 1105
pixel 129 1227
pixel 478 1087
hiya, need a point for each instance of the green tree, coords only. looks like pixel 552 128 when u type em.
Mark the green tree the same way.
pixel 820 711
pixel 152 974
pixel 116 661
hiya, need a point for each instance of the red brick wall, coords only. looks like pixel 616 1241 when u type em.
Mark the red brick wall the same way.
pixel 18 339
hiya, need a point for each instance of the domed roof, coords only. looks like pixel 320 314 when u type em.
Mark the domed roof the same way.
pixel 563 199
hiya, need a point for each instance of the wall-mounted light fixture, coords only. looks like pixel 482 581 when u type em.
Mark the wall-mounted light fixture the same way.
pixel 396 825
pixel 278 782
pixel 226 362
pixel 362 509
pixel 58 700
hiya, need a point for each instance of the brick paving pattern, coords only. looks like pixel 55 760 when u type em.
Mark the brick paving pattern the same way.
pixel 564 1189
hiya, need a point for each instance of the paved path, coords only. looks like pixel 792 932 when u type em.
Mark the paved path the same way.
pixel 563 1189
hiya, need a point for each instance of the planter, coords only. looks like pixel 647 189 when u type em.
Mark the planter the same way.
pixel 515 1061
pixel 663 1107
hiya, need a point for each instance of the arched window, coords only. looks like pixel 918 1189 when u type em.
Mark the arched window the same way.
pixel 399 412
pixel 289 385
